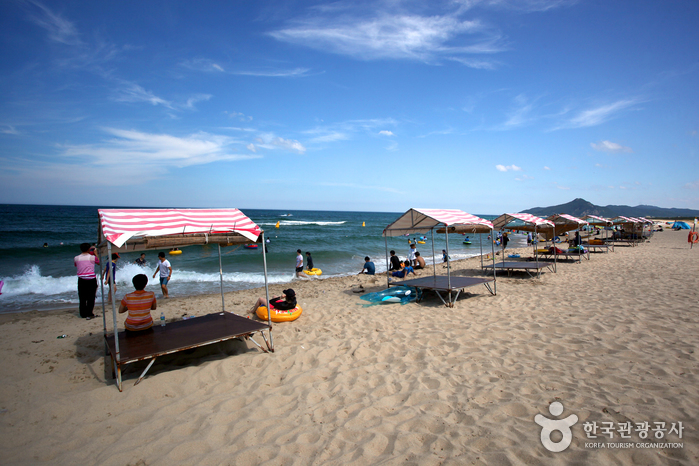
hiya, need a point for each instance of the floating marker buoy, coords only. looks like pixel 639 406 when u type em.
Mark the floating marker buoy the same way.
pixel 277 225
pixel 363 224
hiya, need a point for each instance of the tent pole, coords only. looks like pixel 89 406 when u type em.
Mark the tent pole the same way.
pixel 388 274
pixel 269 311
pixel 536 248
pixel 480 243
pixel 446 230
pixel 434 258
pixel 116 332
pixel 220 274
pixel 104 308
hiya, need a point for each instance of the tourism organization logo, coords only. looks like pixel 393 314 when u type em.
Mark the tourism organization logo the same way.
pixel 658 431
pixel 548 426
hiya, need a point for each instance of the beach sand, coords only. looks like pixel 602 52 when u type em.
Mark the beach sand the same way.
pixel 613 339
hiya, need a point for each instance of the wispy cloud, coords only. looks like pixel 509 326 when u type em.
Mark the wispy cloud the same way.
pixel 597 115
pixel 203 65
pixel 290 73
pixel 288 144
pixel 8 129
pixel 612 147
pixel 346 129
pixel 693 185
pixel 547 168
pixel 206 65
pixel 132 92
pixel 385 33
pixel 507 168
pixel 526 6
pixel 58 28
pixel 136 149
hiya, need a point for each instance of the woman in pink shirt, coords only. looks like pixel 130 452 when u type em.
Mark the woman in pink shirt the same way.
pixel 87 280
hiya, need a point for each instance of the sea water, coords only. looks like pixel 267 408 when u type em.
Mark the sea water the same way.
pixel 38 277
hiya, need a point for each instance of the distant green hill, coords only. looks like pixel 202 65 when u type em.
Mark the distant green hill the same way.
pixel 580 207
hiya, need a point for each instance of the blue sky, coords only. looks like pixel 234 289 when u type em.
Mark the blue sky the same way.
pixel 485 106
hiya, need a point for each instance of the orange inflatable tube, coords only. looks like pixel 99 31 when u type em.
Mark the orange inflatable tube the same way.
pixel 279 315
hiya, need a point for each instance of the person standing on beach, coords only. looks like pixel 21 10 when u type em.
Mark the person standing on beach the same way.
pixel 505 240
pixel 109 275
pixel 299 263
pixel 529 238
pixel 411 254
pixel 165 270
pixel 309 261
pixel 87 280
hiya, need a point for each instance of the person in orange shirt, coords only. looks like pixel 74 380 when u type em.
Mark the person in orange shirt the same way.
pixel 138 304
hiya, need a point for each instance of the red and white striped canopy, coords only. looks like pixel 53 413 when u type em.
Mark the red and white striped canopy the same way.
pixel 622 219
pixel 565 218
pixel 422 220
pixel 120 225
pixel 503 220
pixel 603 220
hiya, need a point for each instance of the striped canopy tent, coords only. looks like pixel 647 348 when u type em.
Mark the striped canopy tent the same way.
pixel 635 225
pixel 445 221
pixel 598 221
pixel 524 222
pixel 127 230
pixel 595 220
pixel 565 223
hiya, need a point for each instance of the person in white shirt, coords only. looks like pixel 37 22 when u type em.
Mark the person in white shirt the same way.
pixel 165 273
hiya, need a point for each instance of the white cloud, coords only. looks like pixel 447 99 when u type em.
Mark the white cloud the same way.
pixel 507 168
pixel 608 146
pixel 59 29
pixel 598 115
pixel 8 129
pixel 345 130
pixel 138 149
pixel 547 168
pixel 692 185
pixel 132 92
pixel 294 73
pixel 197 98
pixel 392 34
pixel 202 64
pixel 288 144
pixel 251 147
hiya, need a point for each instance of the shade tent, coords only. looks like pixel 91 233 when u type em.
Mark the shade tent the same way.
pixel 635 225
pixel 524 222
pixel 680 226
pixel 599 221
pixel 563 224
pixel 122 230
pixel 422 221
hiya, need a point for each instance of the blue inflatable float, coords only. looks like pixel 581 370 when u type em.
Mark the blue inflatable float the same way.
pixel 397 294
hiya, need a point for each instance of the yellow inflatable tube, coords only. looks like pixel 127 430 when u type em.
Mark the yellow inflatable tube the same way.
pixel 175 253
pixel 313 271
pixel 278 315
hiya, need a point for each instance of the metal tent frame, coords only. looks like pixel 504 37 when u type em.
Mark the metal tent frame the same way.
pixel 137 231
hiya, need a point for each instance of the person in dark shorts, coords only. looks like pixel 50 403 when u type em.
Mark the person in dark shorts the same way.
pixel 299 263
